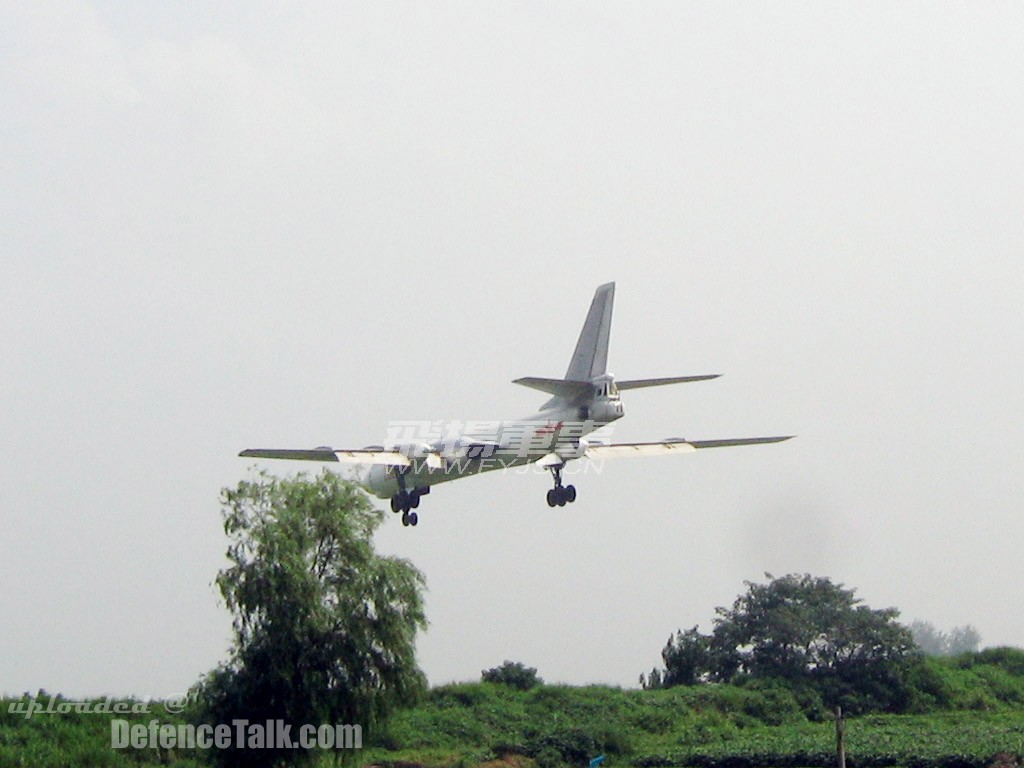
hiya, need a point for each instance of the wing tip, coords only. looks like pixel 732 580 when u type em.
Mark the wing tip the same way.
pixel 733 442
pixel 301 454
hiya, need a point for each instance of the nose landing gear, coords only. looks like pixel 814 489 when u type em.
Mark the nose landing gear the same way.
pixel 560 495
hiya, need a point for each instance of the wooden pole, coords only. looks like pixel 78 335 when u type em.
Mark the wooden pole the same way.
pixel 840 738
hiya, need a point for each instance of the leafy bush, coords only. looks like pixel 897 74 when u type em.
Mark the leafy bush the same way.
pixel 577 746
pixel 1008 659
pixel 459 694
pixel 966 683
pixel 548 757
pixel 573 746
pixel 653 721
pixel 515 674
pixel 772 702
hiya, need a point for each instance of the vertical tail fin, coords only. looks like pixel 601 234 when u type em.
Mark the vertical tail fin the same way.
pixel 591 356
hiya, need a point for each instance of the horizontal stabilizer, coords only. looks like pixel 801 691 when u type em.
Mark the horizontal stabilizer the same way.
pixel 674 445
pixel 566 388
pixel 359 456
pixel 638 383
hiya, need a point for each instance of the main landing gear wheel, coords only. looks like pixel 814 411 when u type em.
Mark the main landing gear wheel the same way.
pixel 403 501
pixel 406 500
pixel 560 495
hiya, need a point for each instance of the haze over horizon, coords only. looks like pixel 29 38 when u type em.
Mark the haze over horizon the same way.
pixel 254 225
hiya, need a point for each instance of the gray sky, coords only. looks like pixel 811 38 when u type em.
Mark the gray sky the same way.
pixel 266 224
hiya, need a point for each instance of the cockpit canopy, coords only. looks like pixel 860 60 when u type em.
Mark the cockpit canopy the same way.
pixel 605 387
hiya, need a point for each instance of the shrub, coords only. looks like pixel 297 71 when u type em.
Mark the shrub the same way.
pixel 515 674
pixel 1008 659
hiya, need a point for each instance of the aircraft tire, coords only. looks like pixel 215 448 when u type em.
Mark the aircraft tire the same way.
pixel 405 518
pixel 414 501
pixel 413 519
pixel 570 493
pixel 396 504
pixel 552 497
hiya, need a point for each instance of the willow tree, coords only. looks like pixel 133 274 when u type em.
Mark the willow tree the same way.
pixel 324 627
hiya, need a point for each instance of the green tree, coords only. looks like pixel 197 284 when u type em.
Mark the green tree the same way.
pixel 513 673
pixel 652 681
pixel 808 632
pixel 803 628
pixel 687 658
pixel 935 642
pixel 931 641
pixel 324 627
pixel 965 639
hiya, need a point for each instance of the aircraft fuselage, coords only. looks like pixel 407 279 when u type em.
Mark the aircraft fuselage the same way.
pixel 555 430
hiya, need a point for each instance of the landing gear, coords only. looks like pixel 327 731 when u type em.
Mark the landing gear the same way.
pixel 560 495
pixel 404 501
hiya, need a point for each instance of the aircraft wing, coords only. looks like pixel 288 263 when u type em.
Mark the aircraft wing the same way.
pixel 356 456
pixel 672 445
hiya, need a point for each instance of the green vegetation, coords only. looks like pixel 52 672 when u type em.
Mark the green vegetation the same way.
pixel 513 673
pixel 808 633
pixel 83 739
pixel 966 710
pixel 935 642
pixel 972 712
pixel 324 627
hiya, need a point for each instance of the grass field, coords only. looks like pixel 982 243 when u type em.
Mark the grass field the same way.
pixel 969 712
pixel 707 726
pixel 79 739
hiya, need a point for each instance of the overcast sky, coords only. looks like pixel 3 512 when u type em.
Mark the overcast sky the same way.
pixel 261 224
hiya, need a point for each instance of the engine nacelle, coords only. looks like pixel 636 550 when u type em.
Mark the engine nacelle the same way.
pixel 381 482
pixel 605 411
pixel 571 450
